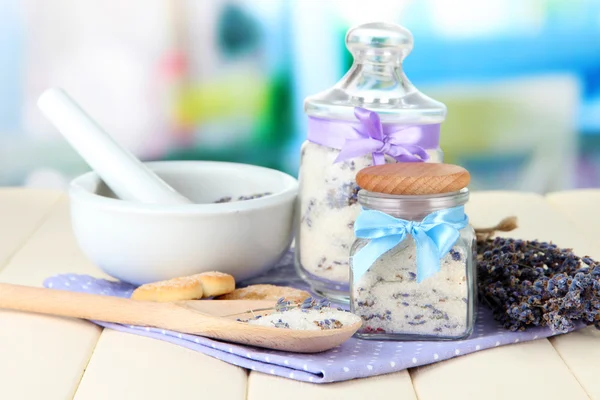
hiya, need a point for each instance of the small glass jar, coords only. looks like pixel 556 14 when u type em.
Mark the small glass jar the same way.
pixel 388 295
pixel 374 94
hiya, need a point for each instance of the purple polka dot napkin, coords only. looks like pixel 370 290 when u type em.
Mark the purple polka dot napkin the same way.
pixel 355 358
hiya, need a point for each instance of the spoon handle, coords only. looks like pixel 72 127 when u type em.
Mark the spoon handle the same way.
pixel 127 176
pixel 170 316
pixel 82 305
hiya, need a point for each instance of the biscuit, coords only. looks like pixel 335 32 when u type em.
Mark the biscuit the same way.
pixel 266 292
pixel 191 287
pixel 216 283
pixel 184 288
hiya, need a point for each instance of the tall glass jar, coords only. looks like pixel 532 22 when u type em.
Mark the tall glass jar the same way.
pixel 373 115
pixel 413 273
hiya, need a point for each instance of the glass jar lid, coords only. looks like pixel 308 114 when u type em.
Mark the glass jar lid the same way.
pixel 413 178
pixel 376 81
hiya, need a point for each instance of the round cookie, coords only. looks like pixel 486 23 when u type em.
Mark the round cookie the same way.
pixel 206 284
pixel 216 283
pixel 267 292
pixel 184 288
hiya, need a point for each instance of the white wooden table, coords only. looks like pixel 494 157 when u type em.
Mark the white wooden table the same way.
pixel 52 358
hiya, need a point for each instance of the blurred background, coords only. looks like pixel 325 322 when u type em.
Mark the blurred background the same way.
pixel 226 80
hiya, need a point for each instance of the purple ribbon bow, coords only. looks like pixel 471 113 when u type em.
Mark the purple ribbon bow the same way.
pixel 405 143
pixel 373 140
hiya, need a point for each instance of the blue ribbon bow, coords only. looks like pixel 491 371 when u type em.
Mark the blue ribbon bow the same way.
pixel 434 237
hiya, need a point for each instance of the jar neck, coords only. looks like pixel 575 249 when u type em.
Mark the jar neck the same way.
pixel 379 57
pixel 412 207
pixel 372 82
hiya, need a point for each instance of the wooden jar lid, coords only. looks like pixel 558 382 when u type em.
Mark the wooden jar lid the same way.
pixel 413 178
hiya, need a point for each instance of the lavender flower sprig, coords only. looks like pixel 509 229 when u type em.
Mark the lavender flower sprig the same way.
pixel 283 305
pixel 308 304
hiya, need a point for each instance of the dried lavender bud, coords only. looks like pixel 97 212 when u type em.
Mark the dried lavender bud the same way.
pixel 323 303
pixel 322 264
pixel 343 196
pixel 455 255
pixel 282 305
pixel 306 217
pixel 330 323
pixel 532 283
pixel 307 303
pixel 340 263
pixel 281 324
pixel 228 199
pixel 351 165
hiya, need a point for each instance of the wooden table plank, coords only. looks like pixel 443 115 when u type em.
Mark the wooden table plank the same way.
pixel 51 250
pixel 512 371
pixel 537 219
pixel 581 350
pixel 581 207
pixel 43 357
pixel 126 366
pixel 21 213
pixel 397 385
pixel 530 370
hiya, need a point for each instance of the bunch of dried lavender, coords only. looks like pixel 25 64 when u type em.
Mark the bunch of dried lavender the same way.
pixel 532 283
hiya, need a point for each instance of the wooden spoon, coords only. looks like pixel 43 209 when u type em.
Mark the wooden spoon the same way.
pixel 201 317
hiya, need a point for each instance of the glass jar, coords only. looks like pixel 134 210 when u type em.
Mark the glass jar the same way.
pixel 373 115
pixel 403 290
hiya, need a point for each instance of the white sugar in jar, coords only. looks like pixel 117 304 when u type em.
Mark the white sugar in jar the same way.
pixel 413 265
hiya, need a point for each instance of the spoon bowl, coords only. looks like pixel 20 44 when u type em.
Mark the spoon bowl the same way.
pixel 293 340
pixel 200 317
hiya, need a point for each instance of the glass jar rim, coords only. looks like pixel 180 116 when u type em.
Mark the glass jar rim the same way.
pixel 412 204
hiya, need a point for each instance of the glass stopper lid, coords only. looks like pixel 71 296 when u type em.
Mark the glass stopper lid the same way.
pixel 377 81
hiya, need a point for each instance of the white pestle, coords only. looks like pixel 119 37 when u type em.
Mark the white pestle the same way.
pixel 127 176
